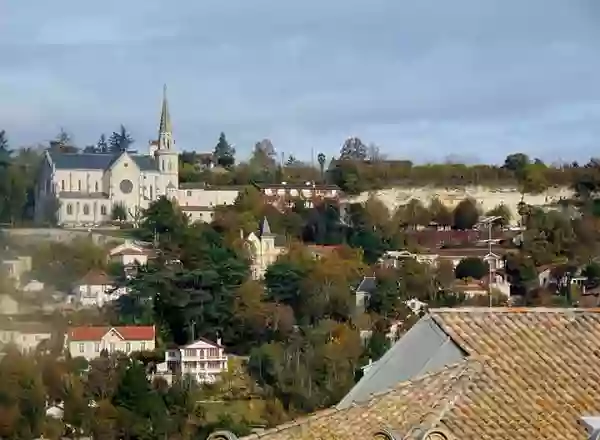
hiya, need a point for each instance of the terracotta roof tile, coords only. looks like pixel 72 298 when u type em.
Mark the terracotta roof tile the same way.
pixel 95 278
pixel 128 333
pixel 410 405
pixel 529 374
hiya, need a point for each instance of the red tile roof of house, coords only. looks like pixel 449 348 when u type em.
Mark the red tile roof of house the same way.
pixel 128 333
pixel 95 278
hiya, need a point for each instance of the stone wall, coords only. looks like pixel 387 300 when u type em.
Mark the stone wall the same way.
pixel 487 198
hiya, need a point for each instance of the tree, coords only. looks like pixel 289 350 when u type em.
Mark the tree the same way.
pixel 440 214
pixel 120 141
pixel 354 149
pixel 264 159
pixel 163 219
pixel 412 214
pixel 63 143
pixel 472 267
pixel 224 153
pixel 4 150
pixel 503 212
pixel 102 144
pixel 516 162
pixel 321 158
pixel 466 214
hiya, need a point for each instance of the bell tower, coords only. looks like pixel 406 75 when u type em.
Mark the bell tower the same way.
pixel 165 154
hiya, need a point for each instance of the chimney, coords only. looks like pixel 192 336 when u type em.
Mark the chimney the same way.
pixel 219 340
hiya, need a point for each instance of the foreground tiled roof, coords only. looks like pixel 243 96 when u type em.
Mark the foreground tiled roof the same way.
pixel 408 409
pixel 528 374
pixel 128 333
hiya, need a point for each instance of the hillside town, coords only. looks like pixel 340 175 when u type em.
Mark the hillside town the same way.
pixel 172 294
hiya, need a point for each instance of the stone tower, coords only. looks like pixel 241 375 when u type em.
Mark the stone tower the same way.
pixel 165 153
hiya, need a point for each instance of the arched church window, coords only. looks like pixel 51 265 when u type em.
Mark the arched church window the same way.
pixel 96 186
pixel 169 165
pixel 162 164
pixel 69 209
pixel 103 210
pixel 86 209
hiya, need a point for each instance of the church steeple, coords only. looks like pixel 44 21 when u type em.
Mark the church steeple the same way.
pixel 165 118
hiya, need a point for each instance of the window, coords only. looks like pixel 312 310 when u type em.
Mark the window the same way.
pixel 142 346
pixel 96 187
pixel 69 209
pixel 81 347
pixel 62 185
pixel 86 209
pixel 97 347
pixel 201 353
pixel 103 209
pixel 189 194
pixel 112 347
pixel 79 185
pixel 162 165
pixel 190 352
pixel 169 165
pixel 151 195
pixel 128 347
pixel 213 352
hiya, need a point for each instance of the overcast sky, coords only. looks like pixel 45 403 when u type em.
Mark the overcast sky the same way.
pixel 423 79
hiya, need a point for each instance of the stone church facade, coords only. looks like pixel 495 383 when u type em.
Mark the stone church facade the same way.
pixel 83 189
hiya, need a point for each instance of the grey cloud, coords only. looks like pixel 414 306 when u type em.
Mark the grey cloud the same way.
pixel 465 77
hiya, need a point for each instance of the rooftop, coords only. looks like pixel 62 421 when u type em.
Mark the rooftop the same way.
pixel 127 333
pixel 473 373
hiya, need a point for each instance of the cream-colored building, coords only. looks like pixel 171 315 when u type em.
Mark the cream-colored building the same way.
pixel 264 248
pixel 202 361
pixel 26 336
pixel 82 189
pixel 89 342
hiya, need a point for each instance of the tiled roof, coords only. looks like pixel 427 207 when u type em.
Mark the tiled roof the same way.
pixel 95 278
pixel 528 374
pixel 129 333
pixel 89 161
pixel 408 409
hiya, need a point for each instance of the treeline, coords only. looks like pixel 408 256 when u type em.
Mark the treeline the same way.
pixel 359 167
pixel 47 396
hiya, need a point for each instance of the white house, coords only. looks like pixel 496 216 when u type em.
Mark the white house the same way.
pixel 129 254
pixel 89 342
pixel 96 289
pixel 203 361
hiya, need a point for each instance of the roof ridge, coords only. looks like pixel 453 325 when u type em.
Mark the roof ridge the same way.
pixel 514 310
pixel 293 423
pixel 455 388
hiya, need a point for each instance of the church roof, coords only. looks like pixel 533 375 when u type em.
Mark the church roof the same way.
pixel 92 161
pixel 265 228
pixel 165 117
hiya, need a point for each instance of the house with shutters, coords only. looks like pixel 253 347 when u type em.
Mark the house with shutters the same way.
pixel 90 342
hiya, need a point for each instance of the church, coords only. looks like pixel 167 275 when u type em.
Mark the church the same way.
pixel 84 189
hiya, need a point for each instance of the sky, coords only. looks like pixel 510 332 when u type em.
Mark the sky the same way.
pixel 426 80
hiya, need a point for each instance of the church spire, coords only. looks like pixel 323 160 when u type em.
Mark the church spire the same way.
pixel 165 118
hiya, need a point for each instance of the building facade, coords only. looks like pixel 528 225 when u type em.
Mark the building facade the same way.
pixel 96 289
pixel 264 248
pixel 89 342
pixel 201 361
pixel 83 189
